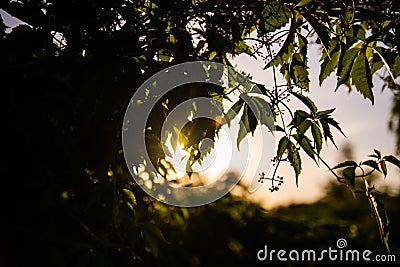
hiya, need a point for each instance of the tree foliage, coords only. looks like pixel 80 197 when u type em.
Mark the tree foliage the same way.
pixel 70 69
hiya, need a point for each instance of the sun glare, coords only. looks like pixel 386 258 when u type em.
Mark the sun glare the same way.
pixel 210 168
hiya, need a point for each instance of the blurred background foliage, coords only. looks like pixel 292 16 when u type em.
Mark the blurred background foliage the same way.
pixel 68 73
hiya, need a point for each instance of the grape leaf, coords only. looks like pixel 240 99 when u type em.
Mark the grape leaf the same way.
pixel 371 163
pixel 330 62
pixel 327 132
pixel 349 175
pixel 346 65
pixel 317 135
pixel 244 127
pixel 294 159
pixel 233 111
pixel 274 16
pixel 347 163
pixel 248 123
pixel 286 51
pixel 392 159
pixel 384 168
pixel 321 30
pixel 305 144
pixel 380 214
pixel 303 2
pixel 265 115
pixel 299 71
pixel 282 146
pixel 361 76
pixel 306 101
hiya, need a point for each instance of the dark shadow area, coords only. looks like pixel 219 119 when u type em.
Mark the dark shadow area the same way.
pixel 231 231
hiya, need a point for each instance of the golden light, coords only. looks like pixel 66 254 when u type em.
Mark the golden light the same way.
pixel 211 167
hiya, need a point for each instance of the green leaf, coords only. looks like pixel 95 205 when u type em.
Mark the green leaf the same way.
pixel 212 55
pixel 371 163
pixel 327 132
pixel 324 113
pixel 233 111
pixel 299 117
pixel 349 14
pixel 282 146
pixel 164 55
pixel 295 160
pixel 242 47
pixel 248 124
pixel 392 159
pixel 254 107
pixel 299 71
pixel 236 79
pixel 355 33
pixel 326 120
pixel 287 50
pixel 380 214
pixel 262 88
pixel 306 101
pixel 252 113
pixel 130 197
pixel 349 175
pixel 321 30
pixel 376 63
pixel 378 153
pixel 274 16
pixel 317 135
pixel 361 76
pixel 330 62
pixel 303 127
pixel 278 128
pixel 347 163
pixel 334 123
pixel 346 65
pixel 248 121
pixel 303 45
pixel 384 168
pixel 241 134
pixel 205 150
pixel 265 115
pixel 305 144
pixel 301 121
pixel 303 2
pixel 286 73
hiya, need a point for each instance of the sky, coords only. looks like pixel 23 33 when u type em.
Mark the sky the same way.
pixel 365 125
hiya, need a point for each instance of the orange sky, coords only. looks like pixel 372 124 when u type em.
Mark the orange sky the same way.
pixel 365 126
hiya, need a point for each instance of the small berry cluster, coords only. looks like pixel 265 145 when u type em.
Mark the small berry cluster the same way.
pixel 278 180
